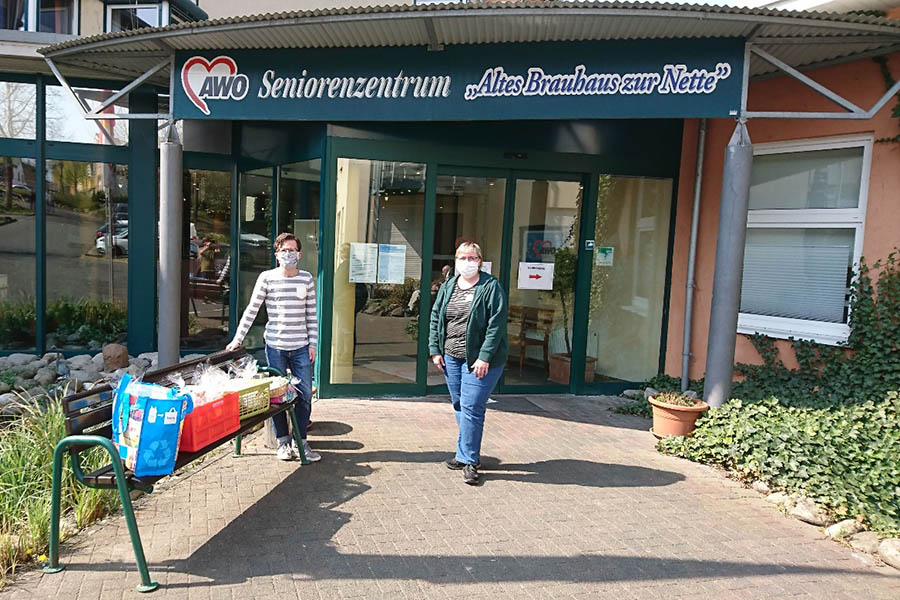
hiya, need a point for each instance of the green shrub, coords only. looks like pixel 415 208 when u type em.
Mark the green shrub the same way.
pixel 89 319
pixel 843 457
pixel 638 407
pixel 17 323
pixel 26 461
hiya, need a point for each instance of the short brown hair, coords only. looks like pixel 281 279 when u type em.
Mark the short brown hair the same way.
pixel 285 237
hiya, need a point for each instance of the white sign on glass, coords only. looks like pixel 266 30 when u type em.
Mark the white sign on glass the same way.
pixel 604 256
pixel 486 266
pixel 363 262
pixel 535 276
pixel 391 263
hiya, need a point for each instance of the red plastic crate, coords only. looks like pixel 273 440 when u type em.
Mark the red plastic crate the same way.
pixel 210 422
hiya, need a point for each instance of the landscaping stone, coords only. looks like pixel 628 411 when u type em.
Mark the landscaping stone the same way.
pixel 37 364
pixel 23 383
pixel 80 362
pixel 115 356
pixel 650 392
pixel 153 357
pixel 4 363
pixel 780 499
pixel 761 486
pixel 51 357
pixel 5 387
pixel 889 552
pixel 45 376
pixel 809 512
pixel 7 398
pixel 27 372
pixel 843 529
pixel 84 375
pixel 636 394
pixel 866 541
pixel 99 362
pixel 141 363
pixel 20 360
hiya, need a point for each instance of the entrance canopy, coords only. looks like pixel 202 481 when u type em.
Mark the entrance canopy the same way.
pixel 799 39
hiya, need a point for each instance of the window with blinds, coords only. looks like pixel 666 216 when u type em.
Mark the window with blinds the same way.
pixel 804 236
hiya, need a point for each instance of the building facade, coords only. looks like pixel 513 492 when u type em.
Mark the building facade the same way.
pixel 584 207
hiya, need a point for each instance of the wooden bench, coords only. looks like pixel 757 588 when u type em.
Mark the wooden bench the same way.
pixel 525 320
pixel 88 418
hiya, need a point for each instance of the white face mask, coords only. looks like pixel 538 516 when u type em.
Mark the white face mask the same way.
pixel 466 268
pixel 287 258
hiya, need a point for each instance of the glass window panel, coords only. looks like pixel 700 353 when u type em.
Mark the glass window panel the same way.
pixel 17 268
pixel 378 265
pixel 468 209
pixel 628 278
pixel 126 18
pixel 57 16
pixel 801 273
pixel 810 179
pixel 65 122
pixel 545 230
pixel 298 209
pixel 87 268
pixel 13 14
pixel 208 264
pixel 255 245
pixel 17 110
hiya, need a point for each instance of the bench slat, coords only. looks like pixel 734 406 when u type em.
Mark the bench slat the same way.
pixel 77 425
pixel 102 432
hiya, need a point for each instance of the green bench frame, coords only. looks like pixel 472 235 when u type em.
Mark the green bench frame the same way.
pixel 89 424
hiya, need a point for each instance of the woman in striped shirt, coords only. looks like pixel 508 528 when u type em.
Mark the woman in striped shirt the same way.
pixel 291 334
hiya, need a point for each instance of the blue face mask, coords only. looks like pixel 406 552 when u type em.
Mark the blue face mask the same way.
pixel 287 258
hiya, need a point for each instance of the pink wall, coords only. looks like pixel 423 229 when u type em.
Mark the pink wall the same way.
pixel 860 82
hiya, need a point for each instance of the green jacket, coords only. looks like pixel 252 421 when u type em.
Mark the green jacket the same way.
pixel 486 330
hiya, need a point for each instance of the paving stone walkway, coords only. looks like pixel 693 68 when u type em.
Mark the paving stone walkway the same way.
pixel 576 503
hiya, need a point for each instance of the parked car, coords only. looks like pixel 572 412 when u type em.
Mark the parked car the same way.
pixel 119 226
pixel 120 211
pixel 119 244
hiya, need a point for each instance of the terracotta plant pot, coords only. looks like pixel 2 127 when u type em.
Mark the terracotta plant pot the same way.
pixel 561 366
pixel 669 419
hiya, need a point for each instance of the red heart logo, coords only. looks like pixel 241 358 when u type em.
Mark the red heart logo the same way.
pixel 197 69
pixel 539 245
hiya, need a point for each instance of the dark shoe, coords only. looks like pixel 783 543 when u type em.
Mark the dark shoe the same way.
pixel 470 474
pixel 456 465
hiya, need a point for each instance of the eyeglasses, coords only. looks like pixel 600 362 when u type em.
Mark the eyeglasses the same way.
pixel 468 258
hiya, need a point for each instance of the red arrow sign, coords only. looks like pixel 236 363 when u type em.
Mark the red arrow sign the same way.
pixel 534 277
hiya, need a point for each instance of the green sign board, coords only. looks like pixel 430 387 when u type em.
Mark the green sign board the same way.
pixel 614 79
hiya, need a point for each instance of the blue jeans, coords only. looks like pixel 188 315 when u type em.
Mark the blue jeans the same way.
pixel 469 396
pixel 298 362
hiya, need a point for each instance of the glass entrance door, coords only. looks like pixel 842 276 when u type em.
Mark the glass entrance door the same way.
pixel 542 268
pixel 469 207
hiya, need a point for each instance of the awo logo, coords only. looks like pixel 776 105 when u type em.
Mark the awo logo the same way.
pixel 215 79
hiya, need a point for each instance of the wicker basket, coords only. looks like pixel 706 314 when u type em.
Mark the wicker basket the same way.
pixel 253 397
pixel 277 386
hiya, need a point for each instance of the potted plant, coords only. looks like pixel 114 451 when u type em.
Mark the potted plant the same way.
pixel 675 414
pixel 564 272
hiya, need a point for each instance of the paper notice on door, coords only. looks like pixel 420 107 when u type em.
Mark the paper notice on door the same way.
pixel 363 262
pixel 391 263
pixel 486 266
pixel 535 276
pixel 604 256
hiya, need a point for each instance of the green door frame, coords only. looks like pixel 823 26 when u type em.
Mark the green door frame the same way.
pixel 443 159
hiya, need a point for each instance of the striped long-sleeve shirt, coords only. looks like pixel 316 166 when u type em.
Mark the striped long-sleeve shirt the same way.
pixel 291 304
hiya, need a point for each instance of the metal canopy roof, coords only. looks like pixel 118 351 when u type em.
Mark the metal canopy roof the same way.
pixel 800 39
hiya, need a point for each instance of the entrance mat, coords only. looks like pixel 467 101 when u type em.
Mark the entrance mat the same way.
pixel 516 404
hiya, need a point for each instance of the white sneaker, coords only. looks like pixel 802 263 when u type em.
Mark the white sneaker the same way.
pixel 311 455
pixel 284 452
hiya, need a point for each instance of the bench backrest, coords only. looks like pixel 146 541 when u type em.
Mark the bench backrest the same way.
pixel 90 412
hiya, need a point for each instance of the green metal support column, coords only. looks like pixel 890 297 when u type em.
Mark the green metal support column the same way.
pixel 583 271
pixel 40 220
pixel 233 280
pixel 425 282
pixel 142 199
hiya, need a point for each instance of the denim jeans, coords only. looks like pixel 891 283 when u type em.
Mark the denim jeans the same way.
pixel 298 363
pixel 469 396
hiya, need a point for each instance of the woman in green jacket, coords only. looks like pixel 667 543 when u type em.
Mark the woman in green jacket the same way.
pixel 467 341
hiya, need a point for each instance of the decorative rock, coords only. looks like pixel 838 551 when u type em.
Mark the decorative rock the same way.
pixel 633 394
pixel 7 399
pixel 141 363
pixel 809 512
pixel 23 383
pixel 20 360
pixel 866 541
pixel 99 362
pixel 45 376
pixel 650 392
pixel 397 312
pixel 4 363
pixel 51 356
pixel 27 372
pixel 115 356
pixel 80 362
pixel 889 552
pixel 150 356
pixel 5 387
pixel 844 529
pixel 84 376
pixel 37 364
pixel 761 486
pixel 780 499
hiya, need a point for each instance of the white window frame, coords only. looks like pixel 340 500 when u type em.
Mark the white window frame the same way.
pixel 162 9
pixel 33 11
pixel 831 218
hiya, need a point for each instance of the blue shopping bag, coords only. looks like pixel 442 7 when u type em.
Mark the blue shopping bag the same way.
pixel 147 422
